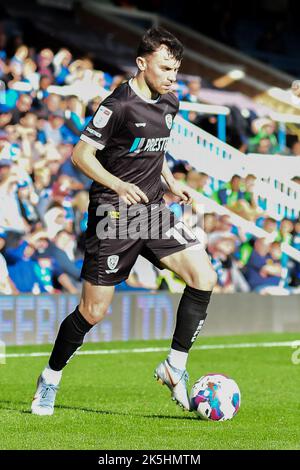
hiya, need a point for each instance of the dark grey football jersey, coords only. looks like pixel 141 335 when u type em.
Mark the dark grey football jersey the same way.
pixel 131 135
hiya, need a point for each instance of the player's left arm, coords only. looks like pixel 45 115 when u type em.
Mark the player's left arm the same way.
pixel 175 186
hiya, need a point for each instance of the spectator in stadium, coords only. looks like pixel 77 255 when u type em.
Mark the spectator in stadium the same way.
pixel 296 179
pixel 49 105
pixel 193 96
pixel 45 82
pixel 246 207
pixel 55 130
pixel 210 222
pixel 2 239
pixel 194 91
pixel 45 62
pixel 30 74
pixel 23 106
pixel 61 249
pixel 55 220
pixel 180 171
pixel 231 193
pixel 7 287
pixel 18 60
pixel 221 249
pixel 264 147
pixel 80 181
pixel 61 62
pixel 249 184
pixel 10 215
pixel 296 235
pixel 223 229
pixel 199 182
pixel 264 269
pixel 204 185
pixel 295 271
pixel 270 225
pixel 193 179
pixel 285 233
pixel 295 149
pixel 92 107
pixel 264 140
pixel 28 201
pixel 5 119
pixel 75 119
pixel 32 271
pixel 23 270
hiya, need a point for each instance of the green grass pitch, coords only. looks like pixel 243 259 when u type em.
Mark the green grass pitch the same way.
pixel 111 401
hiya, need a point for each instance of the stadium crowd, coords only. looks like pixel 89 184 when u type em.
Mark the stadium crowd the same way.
pixel 46 100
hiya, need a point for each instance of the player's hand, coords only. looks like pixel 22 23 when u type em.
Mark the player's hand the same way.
pixel 179 190
pixel 131 194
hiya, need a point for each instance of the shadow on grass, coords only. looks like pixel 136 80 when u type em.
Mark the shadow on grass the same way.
pixel 15 406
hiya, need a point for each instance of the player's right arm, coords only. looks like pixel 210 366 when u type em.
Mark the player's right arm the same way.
pixel 84 158
pixel 105 123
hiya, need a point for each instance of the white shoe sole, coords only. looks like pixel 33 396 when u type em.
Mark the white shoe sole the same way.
pixel 41 411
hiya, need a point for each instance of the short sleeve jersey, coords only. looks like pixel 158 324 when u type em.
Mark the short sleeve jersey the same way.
pixel 131 135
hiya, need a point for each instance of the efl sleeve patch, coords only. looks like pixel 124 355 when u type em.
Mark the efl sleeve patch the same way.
pixel 102 116
pixel 104 124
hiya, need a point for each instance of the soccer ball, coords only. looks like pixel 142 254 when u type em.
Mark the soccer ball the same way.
pixel 215 397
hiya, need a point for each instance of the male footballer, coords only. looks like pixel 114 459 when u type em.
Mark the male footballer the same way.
pixel 122 150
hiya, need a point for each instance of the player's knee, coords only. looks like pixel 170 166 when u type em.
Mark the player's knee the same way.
pixel 93 312
pixel 204 280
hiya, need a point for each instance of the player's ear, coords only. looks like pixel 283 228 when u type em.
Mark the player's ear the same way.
pixel 141 63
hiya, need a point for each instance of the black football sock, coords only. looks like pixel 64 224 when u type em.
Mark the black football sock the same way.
pixel 70 337
pixel 191 316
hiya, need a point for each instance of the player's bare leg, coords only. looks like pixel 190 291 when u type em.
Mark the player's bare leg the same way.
pixel 92 308
pixel 194 267
pixel 95 301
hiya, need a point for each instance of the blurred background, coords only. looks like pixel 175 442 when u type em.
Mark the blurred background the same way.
pixel 235 142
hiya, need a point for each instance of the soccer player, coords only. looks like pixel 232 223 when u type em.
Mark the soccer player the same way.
pixel 122 150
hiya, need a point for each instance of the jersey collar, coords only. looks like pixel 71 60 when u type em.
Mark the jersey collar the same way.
pixel 137 92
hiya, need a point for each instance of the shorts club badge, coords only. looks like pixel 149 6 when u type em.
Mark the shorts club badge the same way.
pixel 112 262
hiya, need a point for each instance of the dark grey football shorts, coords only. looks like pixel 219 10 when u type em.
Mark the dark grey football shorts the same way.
pixel 109 259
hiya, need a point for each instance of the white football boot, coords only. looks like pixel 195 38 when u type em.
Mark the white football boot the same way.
pixel 176 380
pixel 44 398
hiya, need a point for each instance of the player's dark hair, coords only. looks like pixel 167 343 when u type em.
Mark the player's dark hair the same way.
pixel 156 37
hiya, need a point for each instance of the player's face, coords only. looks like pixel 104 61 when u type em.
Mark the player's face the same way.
pixel 160 70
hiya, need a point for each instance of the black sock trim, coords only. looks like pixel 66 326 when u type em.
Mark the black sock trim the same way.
pixel 81 323
pixel 196 294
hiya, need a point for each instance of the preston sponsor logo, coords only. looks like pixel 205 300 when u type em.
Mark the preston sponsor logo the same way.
pixel 149 145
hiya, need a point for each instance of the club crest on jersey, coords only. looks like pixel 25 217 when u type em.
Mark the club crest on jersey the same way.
pixel 102 117
pixel 169 120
